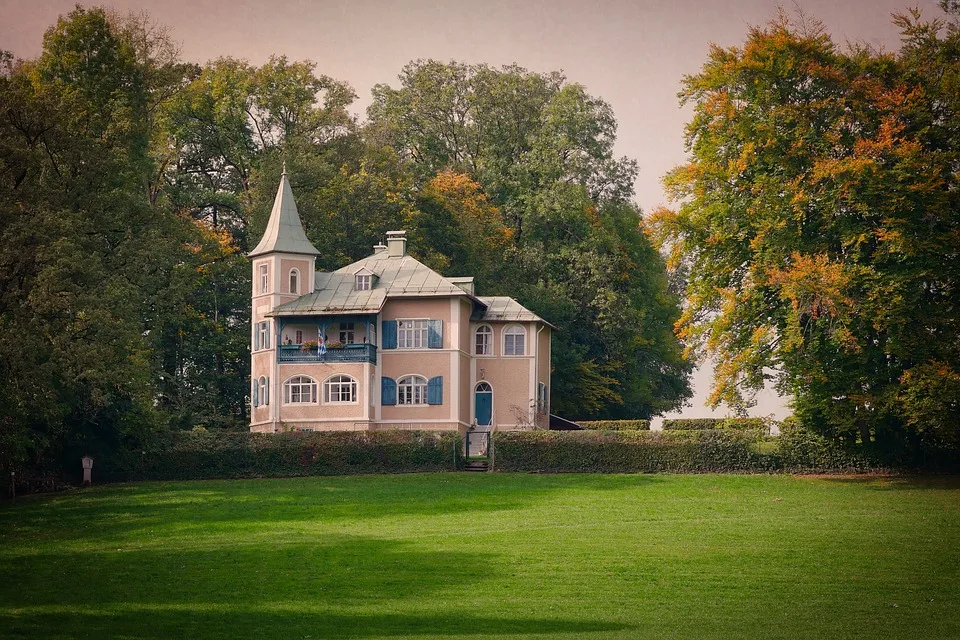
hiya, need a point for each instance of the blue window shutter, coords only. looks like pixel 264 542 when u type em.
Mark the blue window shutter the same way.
pixel 388 391
pixel 256 337
pixel 266 390
pixel 435 335
pixel 435 390
pixel 267 325
pixel 255 395
pixel 389 336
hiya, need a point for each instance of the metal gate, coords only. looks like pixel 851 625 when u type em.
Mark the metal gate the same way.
pixel 478 444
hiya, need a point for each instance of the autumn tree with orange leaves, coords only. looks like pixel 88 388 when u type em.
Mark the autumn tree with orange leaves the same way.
pixel 817 225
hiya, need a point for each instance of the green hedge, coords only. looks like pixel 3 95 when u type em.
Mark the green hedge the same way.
pixel 692 424
pixel 616 425
pixel 207 455
pixel 758 425
pixel 687 451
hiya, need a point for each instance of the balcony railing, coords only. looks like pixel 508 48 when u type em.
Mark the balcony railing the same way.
pixel 346 353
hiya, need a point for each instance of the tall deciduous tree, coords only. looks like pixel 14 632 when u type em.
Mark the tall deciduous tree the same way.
pixel 85 249
pixel 819 219
pixel 541 151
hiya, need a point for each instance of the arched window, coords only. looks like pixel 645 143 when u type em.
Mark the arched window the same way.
pixel 514 338
pixel 484 387
pixel 340 389
pixel 264 279
pixel 484 341
pixel 412 390
pixel 263 391
pixel 294 280
pixel 300 390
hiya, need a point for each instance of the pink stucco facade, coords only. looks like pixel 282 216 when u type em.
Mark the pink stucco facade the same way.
pixel 385 343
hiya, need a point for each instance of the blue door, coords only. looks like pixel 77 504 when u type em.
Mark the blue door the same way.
pixel 484 404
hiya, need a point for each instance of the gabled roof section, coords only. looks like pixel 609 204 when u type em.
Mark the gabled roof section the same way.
pixel 504 309
pixel 404 276
pixel 284 233
pixel 398 277
pixel 335 295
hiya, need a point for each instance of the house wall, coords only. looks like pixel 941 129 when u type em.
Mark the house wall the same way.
pixel 510 377
pixel 428 363
pixel 306 270
pixel 300 413
pixel 513 378
pixel 263 362
pixel 544 370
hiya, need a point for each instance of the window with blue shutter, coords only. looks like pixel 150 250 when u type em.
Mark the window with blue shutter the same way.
pixel 266 391
pixel 435 328
pixel 435 390
pixel 255 396
pixel 389 336
pixel 256 337
pixel 388 390
pixel 266 326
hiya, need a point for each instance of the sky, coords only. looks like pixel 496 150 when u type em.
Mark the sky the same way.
pixel 633 54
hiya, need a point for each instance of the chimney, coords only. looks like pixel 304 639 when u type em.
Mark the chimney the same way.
pixel 396 244
pixel 379 247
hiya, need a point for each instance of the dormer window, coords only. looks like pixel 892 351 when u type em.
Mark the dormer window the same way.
pixel 364 281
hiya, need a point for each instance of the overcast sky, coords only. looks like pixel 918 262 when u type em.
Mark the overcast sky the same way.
pixel 632 54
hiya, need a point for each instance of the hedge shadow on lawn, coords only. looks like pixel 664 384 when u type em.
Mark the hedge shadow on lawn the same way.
pixel 896 482
pixel 118 512
pixel 150 625
pixel 236 591
pixel 325 570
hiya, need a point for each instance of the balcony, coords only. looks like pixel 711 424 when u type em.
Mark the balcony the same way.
pixel 346 353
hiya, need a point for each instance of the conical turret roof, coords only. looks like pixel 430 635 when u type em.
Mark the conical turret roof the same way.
pixel 284 233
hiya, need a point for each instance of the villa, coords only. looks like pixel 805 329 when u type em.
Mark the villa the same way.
pixel 385 342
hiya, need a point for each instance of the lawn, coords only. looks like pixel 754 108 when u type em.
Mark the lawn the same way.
pixel 487 556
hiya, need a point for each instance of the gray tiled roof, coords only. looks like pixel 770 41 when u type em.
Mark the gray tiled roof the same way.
pixel 335 294
pixel 403 277
pixel 504 309
pixel 399 277
pixel 284 231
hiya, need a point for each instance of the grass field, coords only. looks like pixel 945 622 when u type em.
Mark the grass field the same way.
pixel 487 556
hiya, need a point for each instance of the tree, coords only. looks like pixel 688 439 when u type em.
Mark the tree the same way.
pixel 84 248
pixel 818 221
pixel 540 151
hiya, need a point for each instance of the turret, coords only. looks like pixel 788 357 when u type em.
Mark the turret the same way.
pixel 284 265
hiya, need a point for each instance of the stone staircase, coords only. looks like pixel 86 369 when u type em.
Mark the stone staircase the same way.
pixel 477 465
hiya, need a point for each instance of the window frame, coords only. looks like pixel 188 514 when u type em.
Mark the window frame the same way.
pixel 520 331
pixel 364 282
pixel 294 279
pixel 264 273
pixel 423 331
pixel 347 336
pixel 263 335
pixel 288 387
pixel 488 334
pixel 342 380
pixel 298 336
pixel 262 392
pixel 415 390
